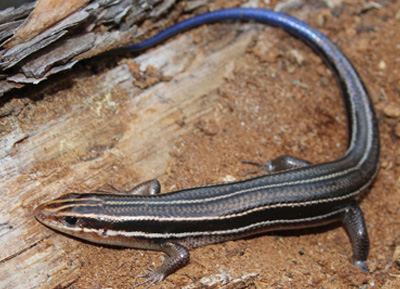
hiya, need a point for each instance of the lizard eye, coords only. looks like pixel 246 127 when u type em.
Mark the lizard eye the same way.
pixel 69 220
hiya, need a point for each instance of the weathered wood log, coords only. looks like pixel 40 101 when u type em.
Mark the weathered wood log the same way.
pixel 44 38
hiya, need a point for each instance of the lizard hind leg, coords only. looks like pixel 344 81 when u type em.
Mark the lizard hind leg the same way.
pixel 281 163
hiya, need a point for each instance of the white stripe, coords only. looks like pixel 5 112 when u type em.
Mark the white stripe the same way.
pixel 225 196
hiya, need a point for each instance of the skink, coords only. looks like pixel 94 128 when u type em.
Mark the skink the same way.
pixel 295 194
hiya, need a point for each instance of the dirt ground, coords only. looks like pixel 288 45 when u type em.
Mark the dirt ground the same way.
pixel 275 100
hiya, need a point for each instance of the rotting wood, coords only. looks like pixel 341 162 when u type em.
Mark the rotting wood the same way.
pixel 35 43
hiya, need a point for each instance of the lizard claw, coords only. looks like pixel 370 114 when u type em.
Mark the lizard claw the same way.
pixel 151 278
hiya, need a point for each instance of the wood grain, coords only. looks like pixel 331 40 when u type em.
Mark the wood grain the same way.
pixel 119 135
